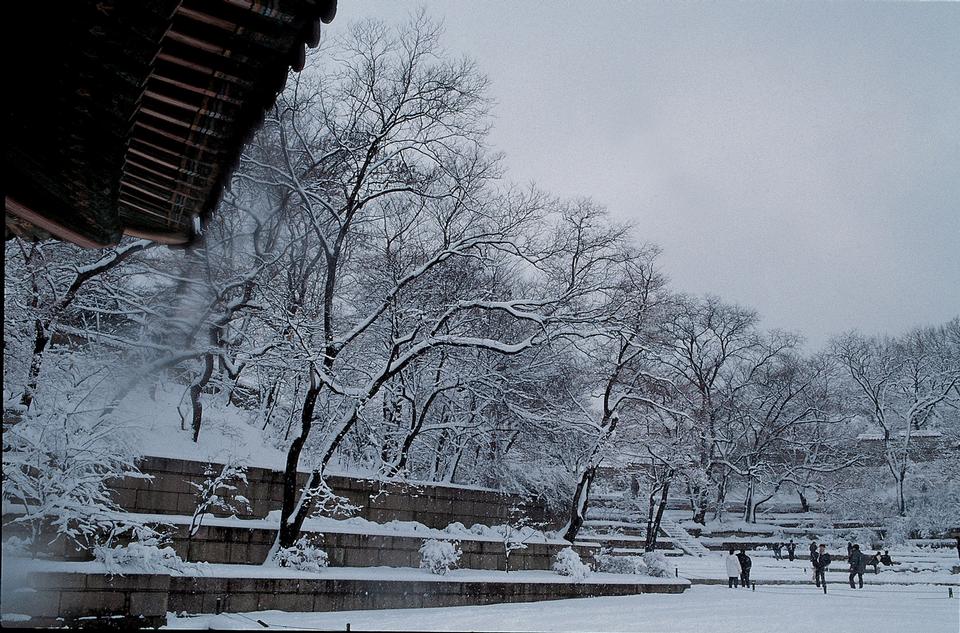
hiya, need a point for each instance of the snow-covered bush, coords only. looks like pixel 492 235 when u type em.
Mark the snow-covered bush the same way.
pixel 138 557
pixel 621 564
pixel 302 555
pixel 58 459
pixel 568 563
pixel 218 491
pixel 657 565
pixel 439 557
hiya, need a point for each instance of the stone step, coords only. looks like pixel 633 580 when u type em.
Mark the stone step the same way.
pixel 55 599
pixel 220 541
pixel 435 505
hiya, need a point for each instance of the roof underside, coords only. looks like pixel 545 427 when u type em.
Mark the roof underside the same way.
pixel 126 118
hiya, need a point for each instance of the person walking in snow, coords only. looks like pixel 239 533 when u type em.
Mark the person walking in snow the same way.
pixel 858 565
pixel 778 550
pixel 821 561
pixel 875 561
pixel 745 565
pixel 733 569
pixel 791 549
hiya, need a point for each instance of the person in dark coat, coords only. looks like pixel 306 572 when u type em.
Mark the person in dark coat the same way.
pixel 791 549
pixel 813 549
pixel 849 548
pixel 875 561
pixel 821 561
pixel 732 564
pixel 745 565
pixel 885 559
pixel 858 565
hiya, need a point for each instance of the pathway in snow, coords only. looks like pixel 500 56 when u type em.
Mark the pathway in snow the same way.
pixel 892 609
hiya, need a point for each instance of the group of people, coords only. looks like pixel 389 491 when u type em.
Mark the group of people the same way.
pixel 791 548
pixel 856 559
pixel 738 569
pixel 738 564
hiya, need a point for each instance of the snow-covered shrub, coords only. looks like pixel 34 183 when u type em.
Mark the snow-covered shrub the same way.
pixel 58 459
pixel 621 564
pixel 568 563
pixel 456 528
pixel 138 557
pixel 439 557
pixel 218 491
pixel 657 565
pixel 302 555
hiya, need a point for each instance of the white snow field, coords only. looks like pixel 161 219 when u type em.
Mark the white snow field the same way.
pixel 890 609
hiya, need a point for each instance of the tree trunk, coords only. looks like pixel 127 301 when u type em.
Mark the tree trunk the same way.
pixel 289 526
pixel 748 502
pixel 653 529
pixel 697 504
pixel 579 507
pixel 41 338
pixel 804 503
pixel 901 498
pixel 196 389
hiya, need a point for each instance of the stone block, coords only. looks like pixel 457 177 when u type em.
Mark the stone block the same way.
pixel 157 501
pixel 127 582
pixel 57 580
pixel 184 601
pixel 349 540
pixel 80 603
pixel 211 552
pixel 285 602
pixel 33 602
pixel 126 498
pixel 152 603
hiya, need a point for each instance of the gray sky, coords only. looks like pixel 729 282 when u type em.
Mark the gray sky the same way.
pixel 802 159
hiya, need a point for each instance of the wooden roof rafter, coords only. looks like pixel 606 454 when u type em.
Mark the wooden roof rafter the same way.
pixel 159 101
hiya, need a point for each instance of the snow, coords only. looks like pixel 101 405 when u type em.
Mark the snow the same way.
pixel 227 435
pixel 359 525
pixel 568 563
pixel 439 557
pixel 715 609
pixel 347 573
pixel 932 568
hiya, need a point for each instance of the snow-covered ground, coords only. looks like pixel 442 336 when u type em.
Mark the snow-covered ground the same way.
pixel 933 566
pixel 893 609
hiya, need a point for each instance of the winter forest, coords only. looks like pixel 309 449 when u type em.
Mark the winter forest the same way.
pixel 377 297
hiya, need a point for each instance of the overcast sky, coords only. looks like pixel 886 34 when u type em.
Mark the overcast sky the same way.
pixel 802 159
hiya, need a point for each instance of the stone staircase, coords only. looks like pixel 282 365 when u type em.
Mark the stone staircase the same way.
pixel 682 538
pixel 621 531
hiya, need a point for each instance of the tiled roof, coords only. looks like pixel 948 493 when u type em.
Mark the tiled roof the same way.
pixel 127 118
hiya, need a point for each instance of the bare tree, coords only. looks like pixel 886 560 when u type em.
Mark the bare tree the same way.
pixel 899 386
pixel 704 339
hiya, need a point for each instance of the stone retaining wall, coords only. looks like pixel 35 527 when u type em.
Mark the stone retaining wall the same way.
pixel 249 546
pixel 216 544
pixel 199 595
pixel 66 599
pixel 169 492
pixel 143 600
